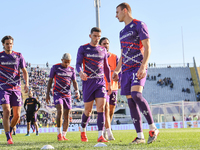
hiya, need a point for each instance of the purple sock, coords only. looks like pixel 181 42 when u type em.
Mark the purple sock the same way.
pixel 100 121
pixel 11 130
pixel 135 115
pixel 33 127
pixel 8 135
pixel 143 105
pixel 85 120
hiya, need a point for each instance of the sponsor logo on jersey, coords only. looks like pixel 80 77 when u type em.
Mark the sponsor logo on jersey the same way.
pixel 8 63
pixel 63 74
pixel 94 55
pixel 130 33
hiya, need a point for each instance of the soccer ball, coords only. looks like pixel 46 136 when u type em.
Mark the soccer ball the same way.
pixel 47 147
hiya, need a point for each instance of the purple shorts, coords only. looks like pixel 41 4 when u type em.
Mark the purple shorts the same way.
pixel 112 98
pixel 129 79
pixel 31 117
pixel 11 97
pixel 66 102
pixel 93 88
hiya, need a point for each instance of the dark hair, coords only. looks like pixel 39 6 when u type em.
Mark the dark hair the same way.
pixel 7 37
pixel 95 29
pixel 102 39
pixel 125 5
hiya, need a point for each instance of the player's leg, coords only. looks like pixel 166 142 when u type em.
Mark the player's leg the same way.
pixel 107 118
pixel 34 124
pixel 136 93
pixel 100 106
pixel 16 116
pixel 6 122
pixel 65 123
pixel 126 79
pixel 107 130
pixel 85 119
pixel 15 102
pixel 14 130
pixel 59 121
pixel 112 104
pixel 137 121
pixel 28 119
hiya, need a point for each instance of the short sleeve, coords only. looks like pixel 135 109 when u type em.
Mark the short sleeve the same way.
pixel 52 72
pixel 143 31
pixel 22 62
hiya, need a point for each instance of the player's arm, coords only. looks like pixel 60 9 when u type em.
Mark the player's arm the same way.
pixel 38 103
pixel 79 61
pixel 107 74
pixel 117 69
pixel 142 71
pixel 75 85
pixel 25 75
pixel 48 90
pixel 25 105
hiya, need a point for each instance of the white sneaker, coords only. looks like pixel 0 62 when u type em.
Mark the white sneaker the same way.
pixel 110 138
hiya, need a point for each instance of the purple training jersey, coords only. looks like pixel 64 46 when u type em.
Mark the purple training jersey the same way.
pixel 94 60
pixel 130 39
pixel 62 80
pixel 10 65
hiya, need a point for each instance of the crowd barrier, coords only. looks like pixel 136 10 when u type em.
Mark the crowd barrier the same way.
pixel 76 127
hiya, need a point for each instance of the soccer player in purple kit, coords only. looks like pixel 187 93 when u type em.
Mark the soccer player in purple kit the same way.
pixel 31 112
pixel 62 74
pixel 95 64
pixel 111 99
pixel 10 86
pixel 135 45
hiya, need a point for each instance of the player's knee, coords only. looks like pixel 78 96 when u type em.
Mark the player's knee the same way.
pixel 136 95
pixel 6 113
pixel 88 112
pixel 16 116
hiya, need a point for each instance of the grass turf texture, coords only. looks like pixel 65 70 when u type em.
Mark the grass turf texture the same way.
pixel 168 139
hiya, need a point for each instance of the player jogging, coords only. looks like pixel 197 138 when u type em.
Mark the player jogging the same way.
pixel 95 64
pixel 135 45
pixel 31 112
pixel 111 99
pixel 62 74
pixel 10 86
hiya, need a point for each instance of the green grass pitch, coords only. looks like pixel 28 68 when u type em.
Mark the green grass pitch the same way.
pixel 188 138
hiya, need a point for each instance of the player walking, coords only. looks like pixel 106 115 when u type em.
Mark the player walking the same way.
pixel 31 112
pixel 111 99
pixel 10 85
pixel 62 74
pixel 135 45
pixel 95 64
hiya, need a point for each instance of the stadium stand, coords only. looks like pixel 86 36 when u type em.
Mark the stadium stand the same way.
pixel 155 93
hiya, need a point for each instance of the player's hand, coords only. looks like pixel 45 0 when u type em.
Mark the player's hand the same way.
pixel 77 95
pixel 141 72
pixel 26 88
pixel 83 76
pixel 115 76
pixel 109 89
pixel 48 99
